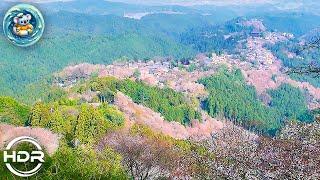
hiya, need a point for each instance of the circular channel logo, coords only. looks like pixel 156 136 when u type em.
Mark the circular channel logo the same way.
pixel 23 156
pixel 23 25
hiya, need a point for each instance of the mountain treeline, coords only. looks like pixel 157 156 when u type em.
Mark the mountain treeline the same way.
pixel 231 97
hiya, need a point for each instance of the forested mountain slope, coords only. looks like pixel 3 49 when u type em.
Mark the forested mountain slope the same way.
pixel 73 37
pixel 124 91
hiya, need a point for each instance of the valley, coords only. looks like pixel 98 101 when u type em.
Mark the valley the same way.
pixel 137 91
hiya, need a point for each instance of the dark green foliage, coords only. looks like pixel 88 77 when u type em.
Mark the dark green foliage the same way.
pixel 172 105
pixel 290 103
pixel 12 112
pixel 212 38
pixel 75 38
pixel 232 98
pixel 106 95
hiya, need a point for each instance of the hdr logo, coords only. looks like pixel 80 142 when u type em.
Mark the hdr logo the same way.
pixel 23 156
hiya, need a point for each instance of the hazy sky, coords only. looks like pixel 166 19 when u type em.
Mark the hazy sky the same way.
pixel 220 2
pixel 38 1
pixel 285 3
pixel 193 2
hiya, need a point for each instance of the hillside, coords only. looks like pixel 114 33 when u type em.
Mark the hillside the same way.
pixel 63 46
pixel 92 137
pixel 207 86
pixel 73 37
pixel 174 91
pixel 241 43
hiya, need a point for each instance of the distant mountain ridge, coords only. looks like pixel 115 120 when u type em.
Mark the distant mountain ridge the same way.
pixel 103 7
pixel 96 32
